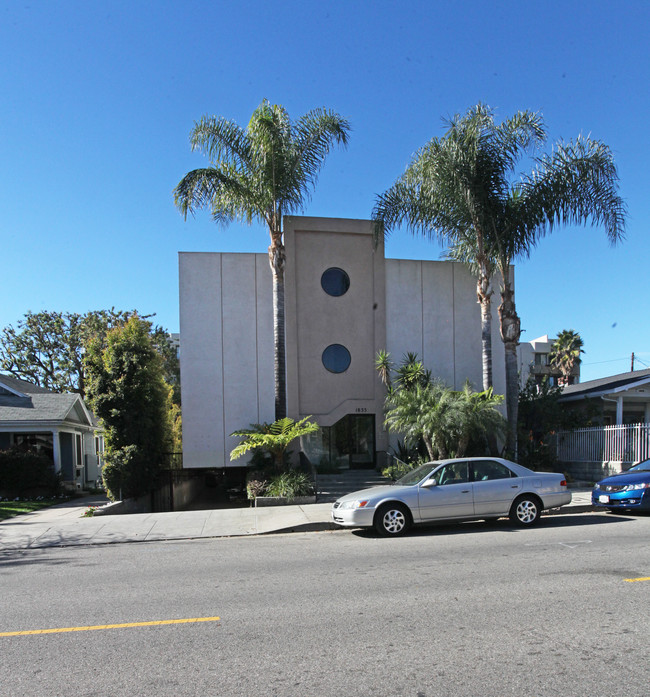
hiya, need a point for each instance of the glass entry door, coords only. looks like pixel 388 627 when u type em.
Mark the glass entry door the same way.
pixel 349 443
pixel 352 441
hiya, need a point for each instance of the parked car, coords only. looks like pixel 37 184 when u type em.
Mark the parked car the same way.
pixel 629 491
pixel 458 489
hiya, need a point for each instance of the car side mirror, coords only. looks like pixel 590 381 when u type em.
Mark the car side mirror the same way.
pixel 432 481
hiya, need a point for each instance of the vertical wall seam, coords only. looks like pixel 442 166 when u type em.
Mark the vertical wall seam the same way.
pixel 257 342
pixel 422 312
pixel 223 371
pixel 453 318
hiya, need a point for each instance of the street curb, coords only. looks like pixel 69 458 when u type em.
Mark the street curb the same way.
pixel 584 508
pixel 325 526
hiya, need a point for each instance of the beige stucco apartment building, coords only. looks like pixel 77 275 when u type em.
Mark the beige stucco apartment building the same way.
pixel 344 302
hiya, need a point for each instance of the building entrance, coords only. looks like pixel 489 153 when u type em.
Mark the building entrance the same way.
pixel 348 444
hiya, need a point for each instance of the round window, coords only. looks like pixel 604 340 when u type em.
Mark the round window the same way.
pixel 335 281
pixel 336 358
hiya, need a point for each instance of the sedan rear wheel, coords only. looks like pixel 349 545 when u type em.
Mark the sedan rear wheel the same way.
pixel 392 519
pixel 525 511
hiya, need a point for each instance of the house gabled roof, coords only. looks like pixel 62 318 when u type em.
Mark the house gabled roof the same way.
pixel 22 403
pixel 604 386
pixel 20 387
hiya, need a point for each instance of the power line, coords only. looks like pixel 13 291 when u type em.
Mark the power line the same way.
pixel 616 360
pixel 613 360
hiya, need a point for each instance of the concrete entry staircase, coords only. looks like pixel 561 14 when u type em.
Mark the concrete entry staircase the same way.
pixel 330 487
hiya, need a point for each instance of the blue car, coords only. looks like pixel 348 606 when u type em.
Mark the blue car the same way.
pixel 629 491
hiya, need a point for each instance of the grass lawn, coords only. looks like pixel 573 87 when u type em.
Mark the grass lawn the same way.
pixel 9 509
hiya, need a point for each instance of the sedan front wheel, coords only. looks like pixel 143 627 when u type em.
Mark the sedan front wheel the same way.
pixel 392 520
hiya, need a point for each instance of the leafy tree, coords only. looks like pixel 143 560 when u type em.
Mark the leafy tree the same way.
pixel 47 348
pixel 540 416
pixel 262 172
pixel 565 353
pixel 128 392
pixel 272 438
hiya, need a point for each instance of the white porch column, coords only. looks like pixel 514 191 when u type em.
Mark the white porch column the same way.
pixel 619 410
pixel 56 447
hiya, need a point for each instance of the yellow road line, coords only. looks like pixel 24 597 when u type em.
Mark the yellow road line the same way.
pixel 633 580
pixel 110 626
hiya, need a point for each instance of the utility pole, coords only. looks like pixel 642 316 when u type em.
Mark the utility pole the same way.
pixel 632 366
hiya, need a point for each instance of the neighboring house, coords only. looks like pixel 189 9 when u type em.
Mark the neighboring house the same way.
pixel 533 360
pixel 622 406
pixel 621 399
pixel 58 426
pixel 343 302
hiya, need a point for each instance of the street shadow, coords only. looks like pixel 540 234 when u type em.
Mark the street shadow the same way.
pixel 446 528
pixel 16 559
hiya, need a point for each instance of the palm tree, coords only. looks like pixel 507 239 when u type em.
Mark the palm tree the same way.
pixel 262 173
pixel 459 188
pixel 565 353
pixel 576 183
pixel 477 417
pixel 451 191
pixel 423 411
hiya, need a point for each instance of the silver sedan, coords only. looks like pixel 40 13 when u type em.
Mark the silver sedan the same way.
pixel 460 489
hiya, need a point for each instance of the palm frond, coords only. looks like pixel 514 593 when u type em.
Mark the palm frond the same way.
pixel 576 184
pixel 221 140
pixel 225 192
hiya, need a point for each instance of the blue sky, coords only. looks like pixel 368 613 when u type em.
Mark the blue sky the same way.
pixel 98 99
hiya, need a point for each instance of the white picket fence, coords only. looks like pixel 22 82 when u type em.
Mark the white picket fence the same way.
pixel 626 444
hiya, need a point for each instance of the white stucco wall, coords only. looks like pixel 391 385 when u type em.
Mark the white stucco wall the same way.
pixel 226 351
pixel 431 310
pixel 226 328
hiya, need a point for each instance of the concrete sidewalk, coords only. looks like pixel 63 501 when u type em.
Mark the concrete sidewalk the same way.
pixel 63 525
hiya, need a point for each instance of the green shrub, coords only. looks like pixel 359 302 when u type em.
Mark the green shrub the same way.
pixel 23 472
pixel 290 484
pixel 398 469
pixel 129 473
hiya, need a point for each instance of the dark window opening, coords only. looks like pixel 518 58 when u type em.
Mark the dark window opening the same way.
pixel 335 282
pixel 336 358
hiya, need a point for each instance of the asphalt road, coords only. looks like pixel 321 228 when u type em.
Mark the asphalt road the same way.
pixel 473 610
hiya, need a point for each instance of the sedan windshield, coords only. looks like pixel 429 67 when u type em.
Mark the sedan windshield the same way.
pixel 416 475
pixel 641 467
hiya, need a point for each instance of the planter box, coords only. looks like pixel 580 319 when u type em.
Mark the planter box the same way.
pixel 261 501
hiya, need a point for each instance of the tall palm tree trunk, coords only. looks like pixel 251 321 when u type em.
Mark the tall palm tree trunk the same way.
pixel 510 327
pixel 277 262
pixel 484 295
pixel 429 445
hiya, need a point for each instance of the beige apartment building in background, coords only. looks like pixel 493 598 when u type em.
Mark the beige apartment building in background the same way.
pixel 344 301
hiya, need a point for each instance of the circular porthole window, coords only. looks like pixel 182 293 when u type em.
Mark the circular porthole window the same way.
pixel 336 358
pixel 335 281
